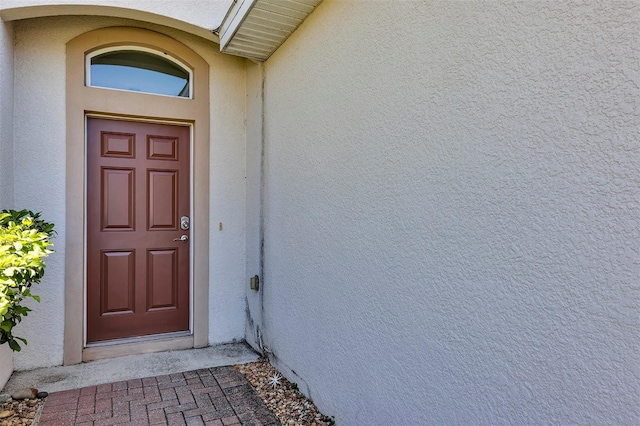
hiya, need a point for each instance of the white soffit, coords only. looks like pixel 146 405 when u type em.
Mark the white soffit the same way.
pixel 254 29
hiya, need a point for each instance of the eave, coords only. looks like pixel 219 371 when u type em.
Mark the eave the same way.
pixel 254 29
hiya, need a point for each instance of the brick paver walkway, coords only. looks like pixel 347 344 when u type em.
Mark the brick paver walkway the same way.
pixel 218 396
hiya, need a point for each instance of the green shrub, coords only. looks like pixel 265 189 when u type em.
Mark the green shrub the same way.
pixel 24 242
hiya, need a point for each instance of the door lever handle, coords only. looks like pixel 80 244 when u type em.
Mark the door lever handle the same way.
pixel 183 238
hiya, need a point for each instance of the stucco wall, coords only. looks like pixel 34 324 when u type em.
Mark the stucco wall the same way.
pixel 6 114
pixel 39 135
pixel 6 155
pixel 452 211
pixel 253 260
pixel 200 16
pixel 6 364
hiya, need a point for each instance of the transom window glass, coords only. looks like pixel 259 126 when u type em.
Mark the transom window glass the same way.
pixel 138 70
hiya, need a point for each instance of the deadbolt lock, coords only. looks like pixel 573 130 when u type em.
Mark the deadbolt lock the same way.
pixel 184 223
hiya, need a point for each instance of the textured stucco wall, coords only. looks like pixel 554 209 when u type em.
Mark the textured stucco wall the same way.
pixel 253 260
pixel 453 195
pixel 39 131
pixel 6 154
pixel 6 114
pixel 6 364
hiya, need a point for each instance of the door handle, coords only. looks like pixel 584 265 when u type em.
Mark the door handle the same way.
pixel 182 239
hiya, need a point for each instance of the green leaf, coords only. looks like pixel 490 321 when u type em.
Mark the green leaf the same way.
pixel 14 345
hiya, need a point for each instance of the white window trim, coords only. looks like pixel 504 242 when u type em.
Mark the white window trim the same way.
pixel 159 53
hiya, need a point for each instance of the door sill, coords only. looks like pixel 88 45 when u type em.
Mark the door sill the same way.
pixel 137 346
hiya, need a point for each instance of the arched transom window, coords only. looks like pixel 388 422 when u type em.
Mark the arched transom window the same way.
pixel 138 69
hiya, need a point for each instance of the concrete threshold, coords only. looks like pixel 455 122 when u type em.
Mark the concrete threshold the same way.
pixel 129 367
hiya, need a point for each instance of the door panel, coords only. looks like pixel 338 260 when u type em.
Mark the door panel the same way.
pixel 137 190
pixel 118 195
pixel 117 285
pixel 162 195
pixel 162 283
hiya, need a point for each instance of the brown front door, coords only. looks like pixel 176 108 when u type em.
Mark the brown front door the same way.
pixel 137 191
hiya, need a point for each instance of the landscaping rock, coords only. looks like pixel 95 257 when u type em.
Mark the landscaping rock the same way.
pixel 5 414
pixel 24 393
pixel 4 397
pixel 23 412
pixel 42 395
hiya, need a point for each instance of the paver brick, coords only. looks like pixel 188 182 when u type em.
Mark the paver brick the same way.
pixel 163 379
pixel 104 388
pixel 87 401
pixel 221 403
pixel 196 412
pixel 134 383
pixel 145 401
pixel 103 405
pixel 194 421
pixel 82 411
pixel 65 394
pixel 218 396
pixel 185 397
pixel 92 416
pixel 175 419
pixel 190 374
pixel 120 403
pixel 172 384
pixel 231 420
pixel 149 381
pixel 168 394
pixel 138 413
pixel 157 417
pixel 119 386
pixel 162 404
pixel 53 417
pixel 89 390
pixel 176 376
pixel 64 404
pixel 135 392
pixel 112 421
pixel 203 400
pixel 203 372
pixel 111 394
pixel 180 407
pixel 209 381
pixel 151 391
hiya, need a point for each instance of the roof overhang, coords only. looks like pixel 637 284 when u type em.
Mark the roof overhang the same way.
pixel 254 29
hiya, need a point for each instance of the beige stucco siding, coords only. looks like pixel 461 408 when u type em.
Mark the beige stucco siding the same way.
pixel 39 149
pixel 451 229
pixel 6 114
pixel 200 17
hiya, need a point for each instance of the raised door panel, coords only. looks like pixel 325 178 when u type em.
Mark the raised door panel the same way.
pixel 162 196
pixel 117 269
pixel 118 195
pixel 162 279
